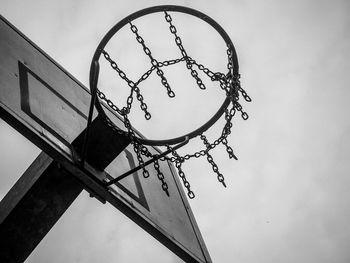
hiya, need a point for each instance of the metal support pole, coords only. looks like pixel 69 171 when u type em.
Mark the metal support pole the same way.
pixel 93 88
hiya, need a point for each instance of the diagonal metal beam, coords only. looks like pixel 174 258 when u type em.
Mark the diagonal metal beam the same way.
pixel 33 206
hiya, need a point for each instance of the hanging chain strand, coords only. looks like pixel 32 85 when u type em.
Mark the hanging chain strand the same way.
pixel 103 97
pixel 227 131
pixel 229 83
pixel 154 62
pixel 161 178
pixel 137 150
pixel 178 164
pixel 134 87
pixel 142 150
pixel 178 42
pixel 234 81
pixel 210 159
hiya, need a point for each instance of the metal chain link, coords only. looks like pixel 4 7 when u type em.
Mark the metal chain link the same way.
pixel 178 42
pixel 161 178
pixel 134 87
pixel 210 159
pixel 213 76
pixel 234 81
pixel 145 172
pixel 229 52
pixel 154 62
pixel 243 92
pixel 145 75
pixel 229 83
pixel 225 132
pixel 103 97
pixel 229 149
pixel 178 164
pixel 170 62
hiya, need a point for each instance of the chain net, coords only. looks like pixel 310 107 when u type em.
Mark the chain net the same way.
pixel 229 83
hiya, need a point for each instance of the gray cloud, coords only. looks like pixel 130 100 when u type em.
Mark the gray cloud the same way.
pixel 287 199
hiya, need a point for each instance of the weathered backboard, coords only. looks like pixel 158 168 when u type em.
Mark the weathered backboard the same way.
pixel 49 106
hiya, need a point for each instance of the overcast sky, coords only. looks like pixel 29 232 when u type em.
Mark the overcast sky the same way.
pixel 287 198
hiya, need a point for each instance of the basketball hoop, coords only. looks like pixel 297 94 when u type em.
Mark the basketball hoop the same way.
pixel 228 82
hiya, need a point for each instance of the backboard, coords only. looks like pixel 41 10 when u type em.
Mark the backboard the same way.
pixel 49 106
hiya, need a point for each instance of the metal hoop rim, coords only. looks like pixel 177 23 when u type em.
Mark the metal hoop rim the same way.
pixel 155 9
